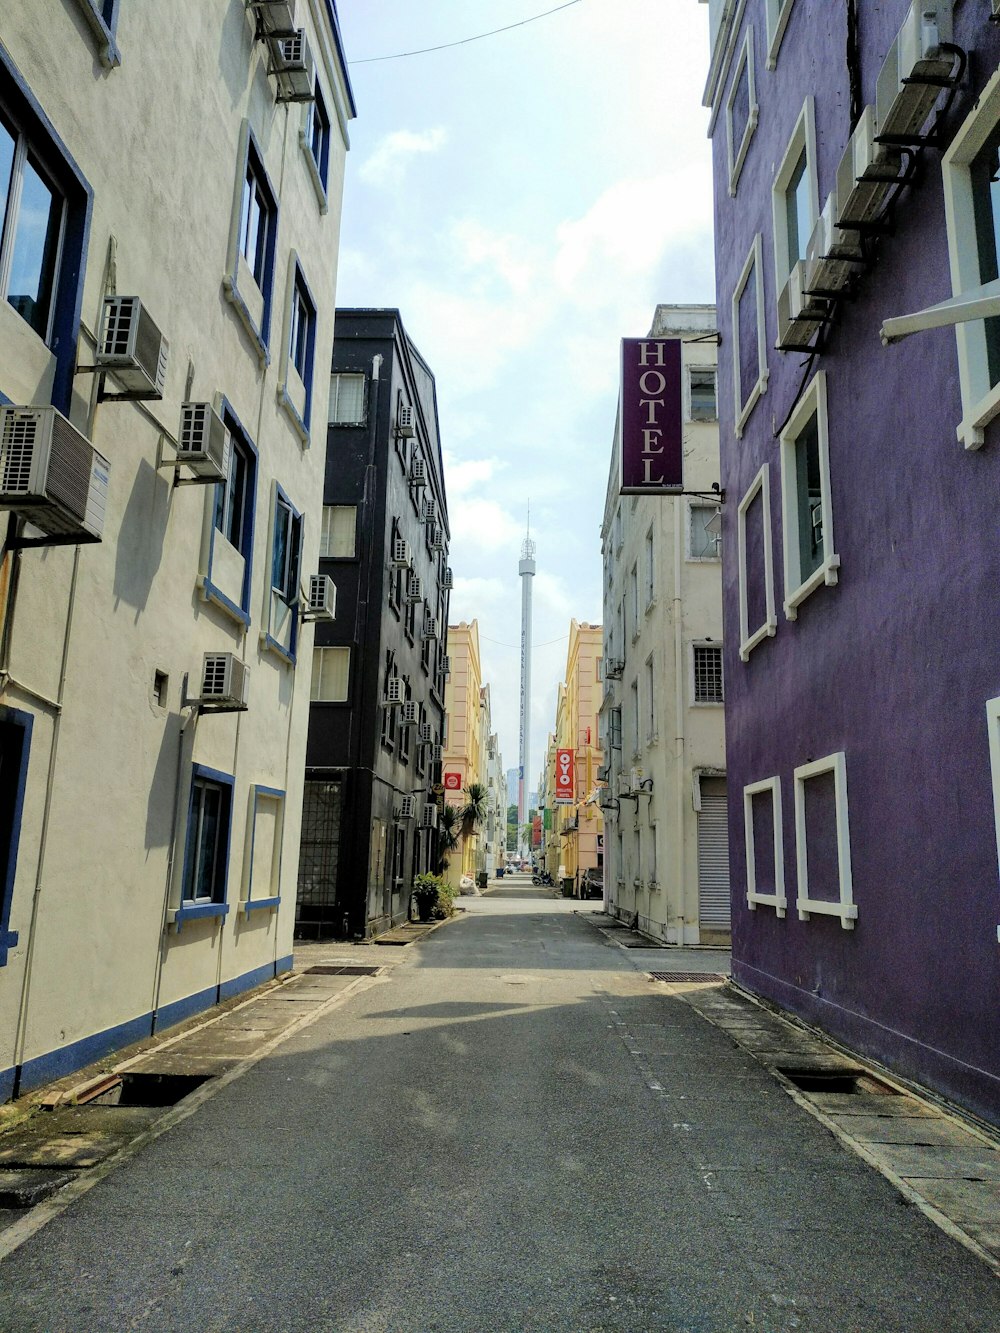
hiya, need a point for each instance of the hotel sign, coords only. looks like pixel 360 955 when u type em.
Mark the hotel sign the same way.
pixel 565 777
pixel 652 454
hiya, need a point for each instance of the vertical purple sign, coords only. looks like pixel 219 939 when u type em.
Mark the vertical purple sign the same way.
pixel 652 443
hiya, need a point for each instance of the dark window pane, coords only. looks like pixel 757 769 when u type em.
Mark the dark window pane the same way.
pixel 797 211
pixel 809 500
pixel 279 558
pixel 984 171
pixel 36 241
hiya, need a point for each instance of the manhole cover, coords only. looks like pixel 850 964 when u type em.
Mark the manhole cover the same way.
pixel 688 976
pixel 836 1080
pixel 342 970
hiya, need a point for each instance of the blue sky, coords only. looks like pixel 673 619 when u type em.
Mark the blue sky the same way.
pixel 526 201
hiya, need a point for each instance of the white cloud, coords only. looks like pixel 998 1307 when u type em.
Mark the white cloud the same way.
pixel 483 524
pixel 464 475
pixel 391 154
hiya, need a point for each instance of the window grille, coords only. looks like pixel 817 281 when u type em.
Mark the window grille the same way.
pixel 708 674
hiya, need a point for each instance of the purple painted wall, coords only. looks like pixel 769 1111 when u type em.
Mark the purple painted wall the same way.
pixel 895 663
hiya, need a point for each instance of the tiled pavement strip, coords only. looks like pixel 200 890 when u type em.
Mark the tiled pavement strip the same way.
pixel 942 1163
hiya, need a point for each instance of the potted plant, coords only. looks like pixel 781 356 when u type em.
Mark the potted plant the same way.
pixel 426 894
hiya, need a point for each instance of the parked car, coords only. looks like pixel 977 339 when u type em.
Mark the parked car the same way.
pixel 592 883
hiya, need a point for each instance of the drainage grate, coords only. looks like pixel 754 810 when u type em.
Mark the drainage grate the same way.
pixel 342 970
pixel 836 1080
pixel 689 976
pixel 148 1089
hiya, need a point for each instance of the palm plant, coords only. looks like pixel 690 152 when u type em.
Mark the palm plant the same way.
pixel 448 827
pixel 474 811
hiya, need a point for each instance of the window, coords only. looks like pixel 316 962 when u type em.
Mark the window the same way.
pixel 286 553
pixel 762 833
pixel 615 728
pixel 227 580
pixel 750 371
pixel 102 16
pixel 635 718
pixel 15 742
pixel 651 845
pixel 347 400
pixel 993 733
pixel 339 536
pixel 970 169
pixel 650 571
pixel 405 732
pixel 331 672
pixel 263 883
pixel 422 750
pixel 34 213
pixel 822 841
pixel 206 850
pixel 756 572
pixel 807 515
pixel 295 393
pixel 315 141
pixel 249 281
pixel 599 669
pixel 704 532
pixel 707 665
pixel 777 19
pixel 701 394
pixel 652 734
pixel 795 198
pixel 633 581
pixel 741 112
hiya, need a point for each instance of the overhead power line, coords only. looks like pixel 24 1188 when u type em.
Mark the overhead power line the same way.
pixel 548 643
pixel 446 46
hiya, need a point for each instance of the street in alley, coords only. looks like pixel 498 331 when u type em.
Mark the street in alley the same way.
pixel 511 1127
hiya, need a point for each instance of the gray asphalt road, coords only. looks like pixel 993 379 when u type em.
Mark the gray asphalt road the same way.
pixel 472 1145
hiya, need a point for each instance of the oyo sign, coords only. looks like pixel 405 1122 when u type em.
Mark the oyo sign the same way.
pixel 652 453
pixel 453 782
pixel 565 777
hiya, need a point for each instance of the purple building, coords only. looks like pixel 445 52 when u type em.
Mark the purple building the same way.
pixel 857 235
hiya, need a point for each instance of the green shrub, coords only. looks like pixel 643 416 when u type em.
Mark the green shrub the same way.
pixel 434 896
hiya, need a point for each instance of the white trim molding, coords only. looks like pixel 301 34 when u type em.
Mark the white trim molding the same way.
pixel 749 639
pixel 755 897
pixel 778 12
pixel 813 403
pixel 993 728
pixel 736 153
pixel 753 267
pixel 844 908
pixel 803 139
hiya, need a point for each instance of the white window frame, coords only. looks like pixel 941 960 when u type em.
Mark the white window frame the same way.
pixel 335 379
pixel 688 409
pixel 706 703
pixel 633 597
pixel 778 12
pixel 755 898
pixel 803 137
pixel 737 153
pixel 980 402
pixel 754 265
pixel 749 639
pixel 318 650
pixel 254 895
pixel 846 908
pixel 652 732
pixel 993 730
pixel 326 533
pixel 812 402
pixel 692 505
pixel 649 555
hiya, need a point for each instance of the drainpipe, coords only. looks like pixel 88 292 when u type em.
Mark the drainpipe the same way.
pixel 678 611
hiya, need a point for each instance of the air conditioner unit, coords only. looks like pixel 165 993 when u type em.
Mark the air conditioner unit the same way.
pixel 402 556
pixel 603 773
pixel 430 513
pixel 430 627
pixel 408 713
pixel 833 256
pixel 909 82
pixel 132 348
pixel 624 784
pixel 447 580
pixel 273 16
pixel 394 692
pixel 613 668
pixel 446 665
pixel 437 754
pixel 293 65
pixel 414 588
pixel 203 443
pixel 322 598
pixel 429 817
pixel 225 683
pixel 406 423
pixel 425 733
pixel 406 807
pixel 51 474
pixel 418 472
pixel 866 175
pixel 799 315
pixel 437 539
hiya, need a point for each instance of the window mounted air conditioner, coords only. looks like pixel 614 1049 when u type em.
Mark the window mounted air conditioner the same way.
pixel 833 256
pixel 408 713
pixel 425 734
pixel 322 598
pixel 293 65
pixel 418 472
pixel 51 474
pixel 402 557
pixel 903 97
pixel 273 16
pixel 430 513
pixel 406 807
pixel 429 817
pixel 203 443
pixel 414 588
pixel 866 175
pixel 406 423
pixel 447 580
pixel 430 627
pixel 393 692
pixel 225 683
pixel 132 348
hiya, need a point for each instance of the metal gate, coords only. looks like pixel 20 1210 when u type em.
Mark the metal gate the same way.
pixel 713 856
pixel 319 851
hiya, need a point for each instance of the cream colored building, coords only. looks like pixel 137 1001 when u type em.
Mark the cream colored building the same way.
pixel 662 715
pixel 465 739
pixel 150 804
pixel 576 839
pixel 492 849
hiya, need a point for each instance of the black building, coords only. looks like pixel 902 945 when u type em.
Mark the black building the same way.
pixel 377 713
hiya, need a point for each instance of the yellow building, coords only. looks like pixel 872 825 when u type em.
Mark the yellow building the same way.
pixel 577 835
pixel 464 746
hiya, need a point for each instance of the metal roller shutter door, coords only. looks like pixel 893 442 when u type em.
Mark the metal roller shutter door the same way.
pixel 713 856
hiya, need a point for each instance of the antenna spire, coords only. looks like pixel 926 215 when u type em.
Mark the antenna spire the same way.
pixel 528 546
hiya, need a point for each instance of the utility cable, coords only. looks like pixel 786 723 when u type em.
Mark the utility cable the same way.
pixel 446 46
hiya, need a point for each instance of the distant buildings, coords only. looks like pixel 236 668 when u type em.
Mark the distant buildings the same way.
pixel 377 712
pixel 465 740
pixel 856 156
pixel 168 264
pixel 663 731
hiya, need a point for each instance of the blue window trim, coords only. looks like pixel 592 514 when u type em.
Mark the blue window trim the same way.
pixel 79 199
pixel 4 400
pixel 319 171
pixel 262 335
pixel 14 717
pixel 286 654
pixel 102 15
pixel 252 904
pixel 189 909
pixel 331 11
pixel 209 591
pixel 299 282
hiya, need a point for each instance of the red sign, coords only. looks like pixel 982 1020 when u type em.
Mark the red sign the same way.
pixel 652 433
pixel 565 777
pixel 453 782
